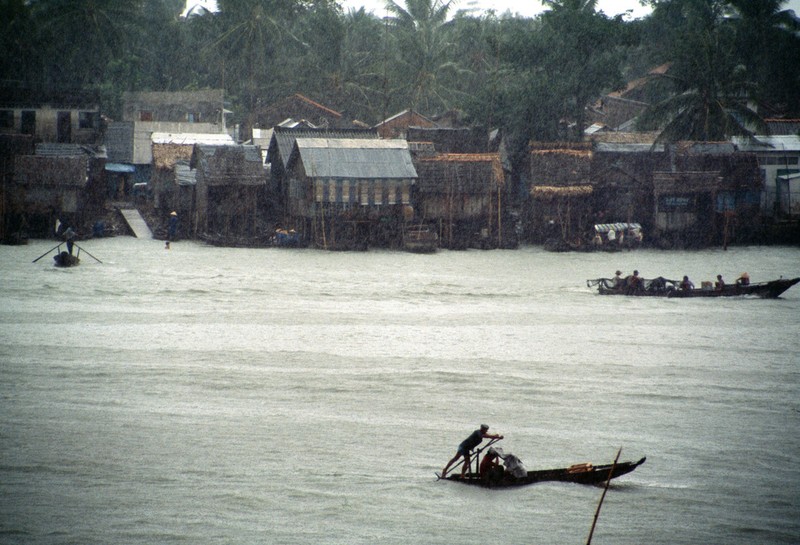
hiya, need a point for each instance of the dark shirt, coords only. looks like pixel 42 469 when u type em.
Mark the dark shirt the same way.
pixel 487 463
pixel 472 441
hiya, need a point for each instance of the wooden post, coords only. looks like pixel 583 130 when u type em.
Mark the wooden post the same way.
pixel 322 218
pixel 499 219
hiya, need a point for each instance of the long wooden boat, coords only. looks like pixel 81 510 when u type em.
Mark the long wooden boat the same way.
pixel 663 287
pixel 578 473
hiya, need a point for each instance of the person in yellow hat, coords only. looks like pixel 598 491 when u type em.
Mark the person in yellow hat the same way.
pixel 172 230
pixel 743 280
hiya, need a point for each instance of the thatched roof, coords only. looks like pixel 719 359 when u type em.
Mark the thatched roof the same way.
pixel 468 173
pixel 561 164
pixel 228 165
pixel 50 171
pixel 169 148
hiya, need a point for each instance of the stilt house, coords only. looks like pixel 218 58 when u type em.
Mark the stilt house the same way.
pixel 63 182
pixel 462 194
pixel 229 187
pixel 349 193
pixel 561 191
pixel 710 195
pixel 170 149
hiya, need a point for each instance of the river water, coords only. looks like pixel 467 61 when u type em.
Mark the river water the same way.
pixel 220 395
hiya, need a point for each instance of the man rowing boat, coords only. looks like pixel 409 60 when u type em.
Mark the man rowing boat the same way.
pixel 467 445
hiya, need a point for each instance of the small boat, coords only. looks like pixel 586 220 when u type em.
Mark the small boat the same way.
pixel 585 473
pixel 664 287
pixel 287 238
pixel 421 240
pixel 65 259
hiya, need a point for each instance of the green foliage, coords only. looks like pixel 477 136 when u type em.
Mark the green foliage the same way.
pixel 713 86
pixel 532 77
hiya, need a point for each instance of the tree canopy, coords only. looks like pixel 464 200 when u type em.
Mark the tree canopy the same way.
pixel 732 61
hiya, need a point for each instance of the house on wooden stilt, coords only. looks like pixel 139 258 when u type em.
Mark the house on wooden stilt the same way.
pixel 464 196
pixel 349 194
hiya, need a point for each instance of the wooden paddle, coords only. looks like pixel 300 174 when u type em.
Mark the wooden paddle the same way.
pixel 47 252
pixel 87 253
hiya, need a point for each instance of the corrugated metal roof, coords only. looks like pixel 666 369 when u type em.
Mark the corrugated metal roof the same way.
pixel 251 153
pixel 616 147
pixel 191 138
pixel 50 149
pixel 283 139
pixel 355 158
pixel 775 143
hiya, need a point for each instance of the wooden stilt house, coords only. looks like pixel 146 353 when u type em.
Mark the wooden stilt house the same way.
pixel 349 193
pixel 229 183
pixel 463 195
pixel 560 188
pixel 711 195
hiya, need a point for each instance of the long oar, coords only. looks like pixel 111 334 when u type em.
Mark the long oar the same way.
pixel 87 253
pixel 47 252
pixel 603 496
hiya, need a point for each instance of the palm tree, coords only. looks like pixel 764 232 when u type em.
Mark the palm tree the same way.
pixel 581 54
pixel 711 87
pixel 768 38
pixel 83 36
pixel 252 34
pixel 423 44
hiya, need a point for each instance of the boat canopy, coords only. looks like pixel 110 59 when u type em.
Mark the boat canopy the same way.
pixel 119 167
pixel 606 227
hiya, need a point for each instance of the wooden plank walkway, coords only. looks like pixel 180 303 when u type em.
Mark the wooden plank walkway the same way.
pixel 136 222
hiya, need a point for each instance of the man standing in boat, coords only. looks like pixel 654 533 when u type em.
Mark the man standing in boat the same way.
pixel 466 447
pixel 69 236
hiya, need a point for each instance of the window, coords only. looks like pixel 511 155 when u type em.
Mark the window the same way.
pixel 6 119
pixel 778 159
pixel 28 122
pixel 145 115
pixel 87 120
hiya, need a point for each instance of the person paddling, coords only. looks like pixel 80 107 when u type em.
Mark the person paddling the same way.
pixel 467 445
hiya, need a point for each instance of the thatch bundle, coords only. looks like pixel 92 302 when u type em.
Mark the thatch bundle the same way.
pixel 549 192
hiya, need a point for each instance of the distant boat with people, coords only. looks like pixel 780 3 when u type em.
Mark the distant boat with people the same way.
pixel 583 473
pixel 664 287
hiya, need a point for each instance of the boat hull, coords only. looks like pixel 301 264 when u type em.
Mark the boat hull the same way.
pixel 65 259
pixel 765 290
pixel 579 473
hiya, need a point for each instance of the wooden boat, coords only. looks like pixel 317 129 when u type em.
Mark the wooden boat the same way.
pixel 663 287
pixel 65 259
pixel 421 240
pixel 578 473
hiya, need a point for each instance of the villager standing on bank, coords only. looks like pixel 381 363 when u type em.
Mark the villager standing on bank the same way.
pixel 172 230
pixel 466 447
